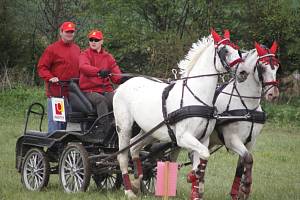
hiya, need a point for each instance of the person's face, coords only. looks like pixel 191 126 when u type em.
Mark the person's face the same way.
pixel 67 36
pixel 95 44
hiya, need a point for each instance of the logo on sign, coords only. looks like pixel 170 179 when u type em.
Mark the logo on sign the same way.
pixel 58 109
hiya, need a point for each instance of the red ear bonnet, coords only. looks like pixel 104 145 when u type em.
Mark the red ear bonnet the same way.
pixel 263 54
pixel 274 47
pixel 260 51
pixel 217 38
pixel 227 34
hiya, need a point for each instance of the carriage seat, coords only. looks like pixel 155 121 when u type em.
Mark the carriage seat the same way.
pixel 82 108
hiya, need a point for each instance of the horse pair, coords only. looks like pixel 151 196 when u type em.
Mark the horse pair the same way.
pixel 185 106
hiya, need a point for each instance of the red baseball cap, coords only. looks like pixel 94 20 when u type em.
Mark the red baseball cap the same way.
pixel 67 26
pixel 96 34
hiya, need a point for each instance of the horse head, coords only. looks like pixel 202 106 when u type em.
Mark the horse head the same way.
pixel 228 53
pixel 266 68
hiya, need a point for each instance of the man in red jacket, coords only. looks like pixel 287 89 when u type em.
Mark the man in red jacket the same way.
pixel 59 62
pixel 97 68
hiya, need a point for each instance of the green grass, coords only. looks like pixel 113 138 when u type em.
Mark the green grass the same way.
pixel 276 173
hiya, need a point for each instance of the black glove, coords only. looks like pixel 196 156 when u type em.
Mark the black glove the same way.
pixel 103 73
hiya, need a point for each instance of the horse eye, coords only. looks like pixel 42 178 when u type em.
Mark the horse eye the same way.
pixel 262 68
pixel 226 50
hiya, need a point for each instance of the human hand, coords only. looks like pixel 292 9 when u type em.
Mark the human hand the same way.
pixel 53 80
pixel 103 73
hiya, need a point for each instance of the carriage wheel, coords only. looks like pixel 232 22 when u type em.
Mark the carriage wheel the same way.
pixel 108 181
pixel 74 169
pixel 148 182
pixel 35 170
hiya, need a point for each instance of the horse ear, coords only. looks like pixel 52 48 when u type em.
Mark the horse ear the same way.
pixel 227 34
pixel 274 47
pixel 215 35
pixel 259 49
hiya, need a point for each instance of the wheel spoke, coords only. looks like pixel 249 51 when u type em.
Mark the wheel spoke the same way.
pixel 68 160
pixel 75 184
pixel 68 183
pixel 36 183
pixel 73 156
pixel 80 180
pixel 39 177
pixel 40 169
pixel 30 180
pixel 34 160
pixel 80 170
pixel 40 163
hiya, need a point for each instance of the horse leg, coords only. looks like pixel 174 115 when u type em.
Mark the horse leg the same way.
pixel 201 153
pixel 137 164
pixel 246 181
pixel 244 169
pixel 237 180
pixel 123 128
pixel 196 177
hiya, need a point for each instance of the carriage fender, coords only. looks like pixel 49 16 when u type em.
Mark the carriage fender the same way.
pixel 19 153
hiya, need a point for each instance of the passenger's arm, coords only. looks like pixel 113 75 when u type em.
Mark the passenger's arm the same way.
pixel 86 67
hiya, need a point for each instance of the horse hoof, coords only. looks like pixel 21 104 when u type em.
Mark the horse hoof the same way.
pixel 234 197
pixel 136 185
pixel 243 196
pixel 130 195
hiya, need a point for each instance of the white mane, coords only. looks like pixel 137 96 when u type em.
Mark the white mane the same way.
pixel 191 58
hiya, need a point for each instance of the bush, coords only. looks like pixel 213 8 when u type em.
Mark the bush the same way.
pixel 283 112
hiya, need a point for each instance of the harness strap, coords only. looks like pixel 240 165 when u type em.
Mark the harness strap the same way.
pixel 191 111
pixel 165 95
pixel 254 117
pixel 250 134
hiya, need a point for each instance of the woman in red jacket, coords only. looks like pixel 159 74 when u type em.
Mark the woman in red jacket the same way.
pixel 98 69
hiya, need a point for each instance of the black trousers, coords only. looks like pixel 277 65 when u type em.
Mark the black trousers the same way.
pixel 102 102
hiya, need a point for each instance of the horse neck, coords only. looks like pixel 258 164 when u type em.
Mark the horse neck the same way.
pixel 204 87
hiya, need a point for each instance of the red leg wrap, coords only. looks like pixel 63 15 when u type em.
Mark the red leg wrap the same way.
pixel 235 188
pixel 126 182
pixel 201 170
pixel 192 178
pixel 138 170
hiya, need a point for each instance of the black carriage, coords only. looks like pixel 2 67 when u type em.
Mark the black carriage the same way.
pixel 77 153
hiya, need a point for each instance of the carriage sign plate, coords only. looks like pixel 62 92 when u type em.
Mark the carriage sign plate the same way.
pixel 58 109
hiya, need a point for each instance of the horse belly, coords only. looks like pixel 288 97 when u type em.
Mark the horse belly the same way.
pixel 143 98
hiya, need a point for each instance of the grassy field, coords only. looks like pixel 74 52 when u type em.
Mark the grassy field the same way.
pixel 276 162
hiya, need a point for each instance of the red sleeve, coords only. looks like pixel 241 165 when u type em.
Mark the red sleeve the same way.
pixel 115 69
pixel 44 65
pixel 85 66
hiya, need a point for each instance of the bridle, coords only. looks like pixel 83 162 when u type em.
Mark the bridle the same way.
pixel 270 59
pixel 222 54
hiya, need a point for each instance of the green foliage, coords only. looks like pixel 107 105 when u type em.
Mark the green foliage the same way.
pixel 147 37
pixel 282 113
pixel 16 101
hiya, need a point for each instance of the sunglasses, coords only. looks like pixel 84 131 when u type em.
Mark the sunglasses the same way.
pixel 94 40
pixel 70 31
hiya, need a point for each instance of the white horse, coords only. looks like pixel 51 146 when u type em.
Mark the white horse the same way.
pixel 140 100
pixel 259 70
